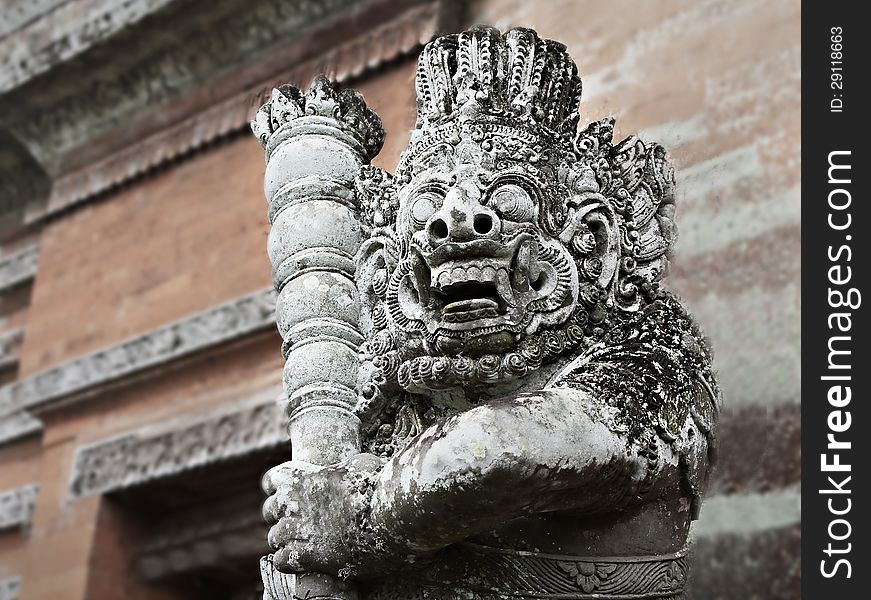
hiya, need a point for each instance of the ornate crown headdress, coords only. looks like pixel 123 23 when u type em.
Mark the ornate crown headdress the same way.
pixel 484 79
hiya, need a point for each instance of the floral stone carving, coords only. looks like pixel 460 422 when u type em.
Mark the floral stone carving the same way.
pixel 490 394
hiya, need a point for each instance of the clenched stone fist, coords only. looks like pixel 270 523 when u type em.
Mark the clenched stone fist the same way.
pixel 318 515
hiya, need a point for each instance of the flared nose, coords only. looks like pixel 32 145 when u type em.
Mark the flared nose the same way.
pixel 462 219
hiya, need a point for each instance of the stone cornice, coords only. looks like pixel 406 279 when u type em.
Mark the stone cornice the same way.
pixel 177 446
pixel 18 425
pixel 16 506
pixel 219 325
pixel 10 341
pixel 64 32
pixel 400 35
pixel 19 267
pixel 150 74
pixel 10 588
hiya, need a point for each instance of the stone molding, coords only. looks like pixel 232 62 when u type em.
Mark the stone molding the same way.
pixel 10 588
pixel 10 341
pixel 117 92
pixel 19 267
pixel 57 35
pixel 16 507
pixel 173 447
pixel 399 36
pixel 18 425
pixel 219 325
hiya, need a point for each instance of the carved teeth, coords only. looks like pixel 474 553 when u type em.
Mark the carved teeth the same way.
pixel 471 315
pixel 419 276
pixel 503 286
pixel 470 305
pixel 525 268
pixel 457 274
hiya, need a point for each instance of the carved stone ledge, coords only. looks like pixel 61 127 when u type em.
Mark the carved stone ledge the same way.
pixel 19 267
pixel 10 588
pixel 16 507
pixel 399 36
pixel 174 447
pixel 18 425
pixel 537 575
pixel 10 341
pixel 57 35
pixel 215 326
pixel 225 323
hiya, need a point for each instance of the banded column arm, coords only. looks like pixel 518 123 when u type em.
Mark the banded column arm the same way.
pixel 315 144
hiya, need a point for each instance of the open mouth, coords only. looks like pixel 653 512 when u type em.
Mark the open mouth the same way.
pixel 470 300
pixel 467 286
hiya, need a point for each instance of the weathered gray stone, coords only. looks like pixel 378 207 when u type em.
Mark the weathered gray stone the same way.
pixel 16 506
pixel 10 588
pixel 9 343
pixel 31 46
pixel 489 392
pixel 18 267
pixel 177 446
pixel 222 324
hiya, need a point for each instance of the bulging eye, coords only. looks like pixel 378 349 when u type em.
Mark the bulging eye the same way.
pixel 513 202
pixel 423 206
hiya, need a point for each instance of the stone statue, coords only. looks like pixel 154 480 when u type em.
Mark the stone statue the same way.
pixel 490 395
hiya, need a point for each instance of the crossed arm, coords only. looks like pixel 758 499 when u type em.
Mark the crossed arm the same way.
pixel 465 475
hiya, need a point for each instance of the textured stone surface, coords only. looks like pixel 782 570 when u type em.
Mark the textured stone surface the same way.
pixel 10 341
pixel 10 588
pixel 731 121
pixel 218 325
pixel 17 425
pixel 352 59
pixel 518 363
pixel 30 45
pixel 16 506
pixel 18 267
pixel 94 93
pixel 174 447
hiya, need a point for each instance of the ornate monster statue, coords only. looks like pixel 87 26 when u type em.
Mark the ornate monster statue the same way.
pixel 491 396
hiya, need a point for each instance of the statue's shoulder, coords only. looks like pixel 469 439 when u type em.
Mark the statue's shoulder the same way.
pixel 652 369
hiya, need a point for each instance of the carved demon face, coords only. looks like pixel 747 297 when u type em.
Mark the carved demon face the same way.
pixel 480 272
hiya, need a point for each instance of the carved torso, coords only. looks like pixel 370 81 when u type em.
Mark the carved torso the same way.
pixel 652 375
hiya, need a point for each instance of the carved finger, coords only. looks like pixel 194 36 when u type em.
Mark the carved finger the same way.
pixel 300 556
pixel 285 560
pixel 289 530
pixel 285 474
pixel 277 506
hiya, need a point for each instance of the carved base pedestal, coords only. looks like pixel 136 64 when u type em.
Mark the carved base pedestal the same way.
pixel 482 573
